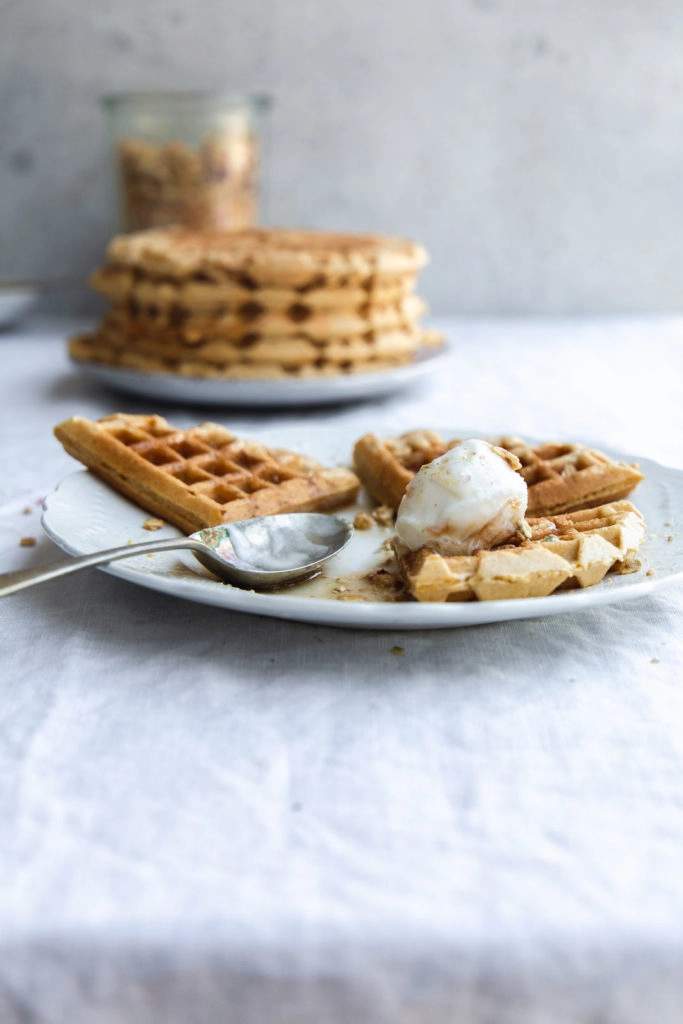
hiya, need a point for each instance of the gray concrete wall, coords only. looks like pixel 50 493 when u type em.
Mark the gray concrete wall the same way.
pixel 534 146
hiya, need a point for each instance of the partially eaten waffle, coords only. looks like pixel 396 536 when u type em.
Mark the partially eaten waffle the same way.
pixel 572 550
pixel 202 476
pixel 560 477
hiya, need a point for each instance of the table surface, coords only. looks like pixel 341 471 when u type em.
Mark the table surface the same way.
pixel 207 816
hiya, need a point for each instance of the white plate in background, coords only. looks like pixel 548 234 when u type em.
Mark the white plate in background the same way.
pixel 168 387
pixel 16 298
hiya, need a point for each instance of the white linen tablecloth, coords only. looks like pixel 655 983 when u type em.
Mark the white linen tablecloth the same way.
pixel 212 817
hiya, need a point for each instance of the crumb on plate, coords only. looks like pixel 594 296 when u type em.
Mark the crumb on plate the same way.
pixel 363 521
pixel 384 515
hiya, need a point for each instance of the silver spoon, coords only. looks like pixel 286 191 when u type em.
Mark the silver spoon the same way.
pixel 256 553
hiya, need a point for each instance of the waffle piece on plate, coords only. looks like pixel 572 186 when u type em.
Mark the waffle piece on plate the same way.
pixel 561 477
pixel 572 550
pixel 177 287
pixel 201 476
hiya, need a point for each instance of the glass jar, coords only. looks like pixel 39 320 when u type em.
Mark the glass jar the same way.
pixel 187 158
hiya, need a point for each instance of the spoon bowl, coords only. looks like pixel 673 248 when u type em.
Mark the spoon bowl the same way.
pixel 258 554
pixel 271 551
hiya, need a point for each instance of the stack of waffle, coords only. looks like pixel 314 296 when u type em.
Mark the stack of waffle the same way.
pixel 257 304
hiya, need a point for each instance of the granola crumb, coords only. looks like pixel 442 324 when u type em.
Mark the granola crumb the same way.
pixel 363 521
pixel 383 578
pixel 624 568
pixel 654 661
pixel 383 515
pixel 27 511
pixel 28 542
pixel 650 572
pixel 669 538
pixel 153 524
pixel 398 650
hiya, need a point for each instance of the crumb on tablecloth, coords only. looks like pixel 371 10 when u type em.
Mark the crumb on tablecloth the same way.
pixel 153 524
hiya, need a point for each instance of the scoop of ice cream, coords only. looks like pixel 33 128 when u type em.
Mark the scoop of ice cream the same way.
pixel 467 499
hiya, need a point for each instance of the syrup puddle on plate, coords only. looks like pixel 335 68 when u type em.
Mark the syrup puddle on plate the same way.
pixel 364 571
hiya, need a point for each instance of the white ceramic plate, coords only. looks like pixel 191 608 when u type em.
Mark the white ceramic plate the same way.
pixel 84 515
pixel 16 298
pixel 168 387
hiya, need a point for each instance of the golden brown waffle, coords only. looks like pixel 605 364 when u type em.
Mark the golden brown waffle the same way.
pixel 179 299
pixel 235 326
pixel 202 476
pixel 260 256
pixel 262 357
pixel 572 550
pixel 253 347
pixel 88 350
pixel 560 477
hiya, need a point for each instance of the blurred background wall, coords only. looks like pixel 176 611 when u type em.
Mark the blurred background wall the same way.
pixel 534 146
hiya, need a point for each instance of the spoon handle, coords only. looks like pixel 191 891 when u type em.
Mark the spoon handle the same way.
pixel 10 582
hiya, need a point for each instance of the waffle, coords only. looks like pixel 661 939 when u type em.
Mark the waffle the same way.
pixel 177 299
pixel 572 550
pixel 260 256
pixel 253 347
pixel 236 325
pixel 87 351
pixel 560 477
pixel 263 359
pixel 202 476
